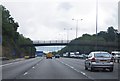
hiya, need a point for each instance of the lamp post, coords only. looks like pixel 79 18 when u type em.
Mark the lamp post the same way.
pixel 67 33
pixel 96 22
pixel 77 25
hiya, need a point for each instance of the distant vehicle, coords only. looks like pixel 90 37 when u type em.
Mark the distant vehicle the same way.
pixel 65 55
pixel 72 54
pixel 77 54
pixel 116 55
pixel 26 57
pixel 80 56
pixel 3 58
pixel 99 59
pixel 57 56
pixel 32 56
pixel 83 56
pixel 49 55
pixel 39 53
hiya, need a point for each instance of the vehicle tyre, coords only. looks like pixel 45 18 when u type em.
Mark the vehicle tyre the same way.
pixel 111 69
pixel 86 68
pixel 91 69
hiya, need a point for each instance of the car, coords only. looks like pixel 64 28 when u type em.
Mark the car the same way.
pixel 116 55
pixel 32 56
pixel 82 56
pixel 72 54
pixel 57 56
pixel 65 55
pixel 26 57
pixel 4 58
pixel 99 59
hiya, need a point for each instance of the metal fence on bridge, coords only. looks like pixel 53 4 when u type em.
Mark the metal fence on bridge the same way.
pixel 50 41
pixel 74 43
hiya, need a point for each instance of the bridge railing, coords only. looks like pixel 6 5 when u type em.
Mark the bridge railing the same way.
pixel 51 41
pixel 75 43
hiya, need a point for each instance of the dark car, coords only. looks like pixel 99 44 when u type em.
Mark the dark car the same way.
pixel 57 56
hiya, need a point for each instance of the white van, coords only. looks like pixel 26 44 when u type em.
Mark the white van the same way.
pixel 116 54
pixel 72 54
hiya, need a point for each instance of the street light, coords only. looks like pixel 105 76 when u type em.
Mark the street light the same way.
pixel 77 25
pixel 96 22
pixel 67 33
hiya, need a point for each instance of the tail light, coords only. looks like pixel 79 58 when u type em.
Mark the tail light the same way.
pixel 93 60
pixel 112 59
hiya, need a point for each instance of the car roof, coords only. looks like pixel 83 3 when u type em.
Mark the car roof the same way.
pixel 115 52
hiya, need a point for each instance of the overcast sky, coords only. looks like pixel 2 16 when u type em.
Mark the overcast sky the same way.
pixel 46 19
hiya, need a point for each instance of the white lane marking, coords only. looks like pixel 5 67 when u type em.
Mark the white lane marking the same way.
pixel 71 67
pixel 13 63
pixel 33 67
pixel 83 73
pixel 77 70
pixel 5 64
pixel 25 73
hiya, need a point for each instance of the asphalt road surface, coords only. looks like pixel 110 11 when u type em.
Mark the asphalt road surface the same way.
pixel 62 68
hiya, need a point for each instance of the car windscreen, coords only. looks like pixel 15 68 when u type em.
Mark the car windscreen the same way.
pixel 103 55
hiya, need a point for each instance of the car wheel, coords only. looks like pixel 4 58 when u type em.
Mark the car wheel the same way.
pixel 111 69
pixel 86 68
pixel 91 69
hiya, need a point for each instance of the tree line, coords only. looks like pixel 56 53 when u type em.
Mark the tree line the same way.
pixel 111 35
pixel 12 40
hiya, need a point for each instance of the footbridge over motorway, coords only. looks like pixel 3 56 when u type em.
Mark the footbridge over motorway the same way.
pixel 71 43
pixel 51 42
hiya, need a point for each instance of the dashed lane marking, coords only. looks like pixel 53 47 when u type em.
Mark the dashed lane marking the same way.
pixel 33 67
pixel 25 73
pixel 77 70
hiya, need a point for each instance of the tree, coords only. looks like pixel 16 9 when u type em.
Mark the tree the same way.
pixel 111 34
pixel 12 40
pixel 102 37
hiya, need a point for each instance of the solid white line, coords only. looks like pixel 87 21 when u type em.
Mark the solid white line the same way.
pixel 13 63
pixel 5 64
pixel 83 73
pixel 71 67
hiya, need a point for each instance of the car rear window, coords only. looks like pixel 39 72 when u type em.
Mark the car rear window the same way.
pixel 102 55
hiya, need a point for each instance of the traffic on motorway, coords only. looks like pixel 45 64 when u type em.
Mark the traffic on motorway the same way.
pixel 96 66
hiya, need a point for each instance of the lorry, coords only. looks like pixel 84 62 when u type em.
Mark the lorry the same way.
pixel 49 55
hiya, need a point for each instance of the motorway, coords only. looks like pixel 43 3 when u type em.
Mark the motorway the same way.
pixel 62 68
